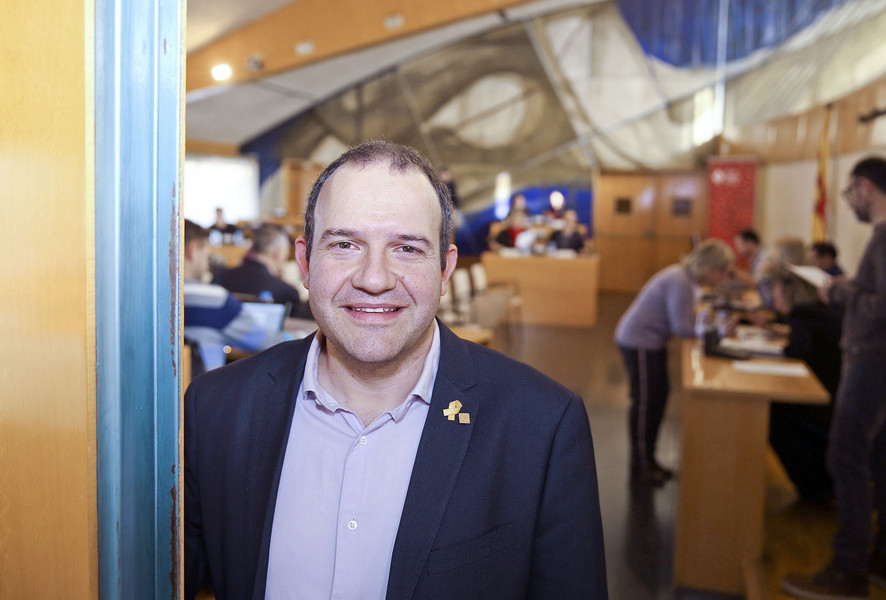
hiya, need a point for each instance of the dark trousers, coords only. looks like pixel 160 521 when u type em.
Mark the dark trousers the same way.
pixel 648 374
pixel 857 460
pixel 799 435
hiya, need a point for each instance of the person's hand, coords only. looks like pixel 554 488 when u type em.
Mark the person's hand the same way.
pixel 759 317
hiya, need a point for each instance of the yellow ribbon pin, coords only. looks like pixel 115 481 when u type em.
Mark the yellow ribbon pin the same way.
pixel 453 409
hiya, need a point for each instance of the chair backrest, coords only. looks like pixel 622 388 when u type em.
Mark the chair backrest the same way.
pixel 478 277
pixel 461 284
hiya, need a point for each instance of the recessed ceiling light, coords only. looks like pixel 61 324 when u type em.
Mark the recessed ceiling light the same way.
pixel 394 21
pixel 221 72
pixel 304 47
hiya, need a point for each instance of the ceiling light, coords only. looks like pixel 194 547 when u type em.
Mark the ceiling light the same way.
pixel 305 47
pixel 394 21
pixel 221 72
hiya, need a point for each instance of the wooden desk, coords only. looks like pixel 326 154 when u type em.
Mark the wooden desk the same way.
pixel 553 291
pixel 725 422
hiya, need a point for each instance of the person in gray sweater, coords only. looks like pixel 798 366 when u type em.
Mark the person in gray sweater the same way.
pixel 857 448
pixel 665 307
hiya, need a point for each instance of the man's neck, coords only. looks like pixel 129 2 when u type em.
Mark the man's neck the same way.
pixel 369 390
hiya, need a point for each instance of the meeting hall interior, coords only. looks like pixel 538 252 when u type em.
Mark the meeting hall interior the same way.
pixel 588 145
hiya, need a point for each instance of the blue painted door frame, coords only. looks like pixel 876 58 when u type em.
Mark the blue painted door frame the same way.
pixel 138 130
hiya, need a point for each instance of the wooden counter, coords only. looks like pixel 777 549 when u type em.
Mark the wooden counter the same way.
pixel 553 291
pixel 725 422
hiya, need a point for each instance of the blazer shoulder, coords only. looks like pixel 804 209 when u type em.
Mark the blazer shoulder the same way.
pixel 278 361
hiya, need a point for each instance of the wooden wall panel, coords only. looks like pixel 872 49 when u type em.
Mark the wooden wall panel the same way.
pixel 797 137
pixel 634 246
pixel 625 263
pixel 331 27
pixel 48 540
pixel 298 179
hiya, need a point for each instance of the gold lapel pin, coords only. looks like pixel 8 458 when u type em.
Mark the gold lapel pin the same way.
pixel 454 409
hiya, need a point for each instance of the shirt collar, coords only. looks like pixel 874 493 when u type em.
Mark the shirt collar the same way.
pixel 422 390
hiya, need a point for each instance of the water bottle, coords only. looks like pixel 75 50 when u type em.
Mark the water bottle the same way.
pixel 266 296
pixel 702 322
pixel 723 323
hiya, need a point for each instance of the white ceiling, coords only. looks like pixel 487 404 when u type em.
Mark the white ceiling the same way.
pixel 235 114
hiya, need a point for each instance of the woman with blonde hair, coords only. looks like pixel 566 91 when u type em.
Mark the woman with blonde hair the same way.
pixel 665 307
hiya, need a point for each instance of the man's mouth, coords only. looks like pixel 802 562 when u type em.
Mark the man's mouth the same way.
pixel 373 310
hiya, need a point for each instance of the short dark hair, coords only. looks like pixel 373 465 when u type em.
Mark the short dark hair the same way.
pixel 825 249
pixel 194 233
pixel 749 235
pixel 266 238
pixel 402 159
pixel 872 168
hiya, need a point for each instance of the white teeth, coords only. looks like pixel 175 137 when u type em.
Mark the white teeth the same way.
pixel 375 310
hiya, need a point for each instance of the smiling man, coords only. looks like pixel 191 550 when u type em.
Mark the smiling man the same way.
pixel 384 457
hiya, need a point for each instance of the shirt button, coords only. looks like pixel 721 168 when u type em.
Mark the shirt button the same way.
pixel 352 524
pixel 362 440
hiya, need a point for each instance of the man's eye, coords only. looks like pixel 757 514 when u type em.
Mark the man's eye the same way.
pixel 343 245
pixel 408 249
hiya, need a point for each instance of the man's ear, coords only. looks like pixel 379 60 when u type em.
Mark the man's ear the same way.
pixel 451 261
pixel 301 259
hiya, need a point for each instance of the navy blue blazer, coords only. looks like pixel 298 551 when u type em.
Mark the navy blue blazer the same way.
pixel 504 507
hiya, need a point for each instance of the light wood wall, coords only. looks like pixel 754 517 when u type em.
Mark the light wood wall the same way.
pixel 356 25
pixel 48 540
pixel 634 246
pixel 797 137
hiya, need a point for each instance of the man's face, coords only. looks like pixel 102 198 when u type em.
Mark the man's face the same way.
pixel 858 197
pixel 743 246
pixel 374 274
pixel 197 255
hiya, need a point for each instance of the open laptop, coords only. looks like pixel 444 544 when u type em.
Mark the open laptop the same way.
pixel 270 316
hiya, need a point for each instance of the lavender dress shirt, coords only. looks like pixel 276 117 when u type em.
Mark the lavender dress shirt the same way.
pixel 342 490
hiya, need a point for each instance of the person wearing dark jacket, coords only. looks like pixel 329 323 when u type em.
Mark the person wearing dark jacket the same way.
pixel 260 271
pixel 799 432
pixel 857 443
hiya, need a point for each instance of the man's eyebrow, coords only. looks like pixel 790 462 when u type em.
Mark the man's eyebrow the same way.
pixel 341 232
pixel 410 237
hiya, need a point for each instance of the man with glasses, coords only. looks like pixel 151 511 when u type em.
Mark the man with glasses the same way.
pixel 857 449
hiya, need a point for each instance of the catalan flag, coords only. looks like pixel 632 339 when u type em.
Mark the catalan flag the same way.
pixel 819 216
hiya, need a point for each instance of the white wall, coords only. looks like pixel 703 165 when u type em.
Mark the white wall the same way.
pixel 220 181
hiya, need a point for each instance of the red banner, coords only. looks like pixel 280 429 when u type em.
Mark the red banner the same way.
pixel 731 188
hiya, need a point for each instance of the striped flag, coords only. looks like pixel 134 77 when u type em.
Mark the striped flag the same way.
pixel 819 216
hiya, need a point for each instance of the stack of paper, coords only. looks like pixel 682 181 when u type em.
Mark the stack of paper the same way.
pixel 770 367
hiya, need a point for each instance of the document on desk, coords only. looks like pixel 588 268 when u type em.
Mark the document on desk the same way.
pixel 813 275
pixel 771 367
pixel 757 345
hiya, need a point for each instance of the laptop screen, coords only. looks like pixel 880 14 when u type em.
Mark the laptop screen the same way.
pixel 269 316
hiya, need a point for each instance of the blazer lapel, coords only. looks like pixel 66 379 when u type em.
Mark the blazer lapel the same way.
pixel 438 460
pixel 274 397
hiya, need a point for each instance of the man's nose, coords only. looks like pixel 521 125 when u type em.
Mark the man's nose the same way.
pixel 375 273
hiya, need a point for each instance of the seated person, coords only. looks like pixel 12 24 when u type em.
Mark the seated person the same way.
pixel 798 432
pixel 516 223
pixel 787 250
pixel 569 237
pixel 748 246
pixel 261 268
pixel 824 256
pixel 213 317
pixel 220 224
